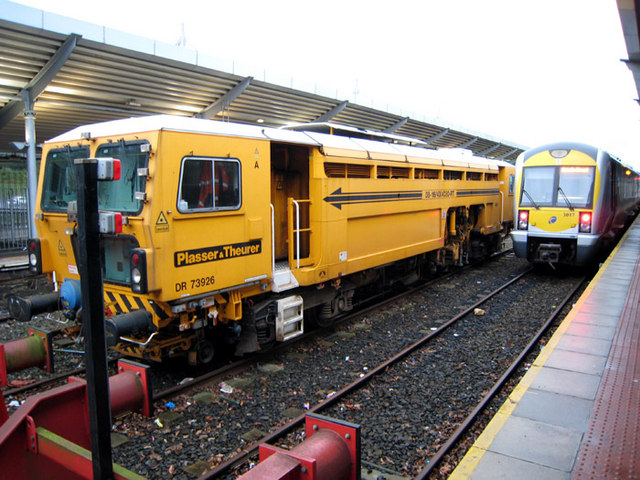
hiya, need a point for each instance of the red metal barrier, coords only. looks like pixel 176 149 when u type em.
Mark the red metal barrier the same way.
pixel 4 414
pixel 35 350
pixel 48 437
pixel 331 451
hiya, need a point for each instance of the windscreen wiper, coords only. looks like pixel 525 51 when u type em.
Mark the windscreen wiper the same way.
pixel 530 199
pixel 566 199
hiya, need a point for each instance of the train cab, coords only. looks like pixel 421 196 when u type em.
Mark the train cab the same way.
pixel 572 199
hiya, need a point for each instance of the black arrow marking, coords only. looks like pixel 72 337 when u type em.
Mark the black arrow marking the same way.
pixel 337 198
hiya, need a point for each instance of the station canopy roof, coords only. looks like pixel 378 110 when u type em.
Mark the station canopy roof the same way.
pixel 630 19
pixel 77 73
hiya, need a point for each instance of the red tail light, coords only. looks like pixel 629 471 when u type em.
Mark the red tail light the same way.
pixel 35 255
pixel 110 222
pixel 585 222
pixel 138 266
pixel 523 220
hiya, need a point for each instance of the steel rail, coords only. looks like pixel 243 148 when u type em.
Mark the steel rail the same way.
pixel 242 457
pixel 462 428
pixel 46 381
pixel 256 358
pixel 239 364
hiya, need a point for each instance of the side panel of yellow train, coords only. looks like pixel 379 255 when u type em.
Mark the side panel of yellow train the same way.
pixel 361 223
pixel 198 252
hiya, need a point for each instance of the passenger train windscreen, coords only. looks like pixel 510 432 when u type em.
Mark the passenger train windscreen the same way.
pixel 557 186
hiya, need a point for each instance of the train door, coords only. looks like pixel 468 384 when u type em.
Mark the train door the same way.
pixel 290 203
pixel 284 185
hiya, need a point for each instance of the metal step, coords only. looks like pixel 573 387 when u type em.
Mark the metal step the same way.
pixel 282 278
pixel 289 322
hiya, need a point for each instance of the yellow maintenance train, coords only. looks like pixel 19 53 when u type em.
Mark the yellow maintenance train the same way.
pixel 235 233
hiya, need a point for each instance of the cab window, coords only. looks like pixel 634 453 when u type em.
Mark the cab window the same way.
pixel 209 184
pixel 59 184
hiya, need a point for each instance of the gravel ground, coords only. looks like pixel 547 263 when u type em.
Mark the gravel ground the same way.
pixel 210 425
pixel 431 392
pixel 11 329
pixel 400 419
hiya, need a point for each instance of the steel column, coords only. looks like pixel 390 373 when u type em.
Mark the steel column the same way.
pixel 30 139
pixel 89 267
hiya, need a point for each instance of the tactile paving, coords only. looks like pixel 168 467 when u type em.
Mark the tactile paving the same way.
pixel 611 446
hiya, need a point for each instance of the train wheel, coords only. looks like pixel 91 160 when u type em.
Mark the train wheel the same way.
pixel 205 351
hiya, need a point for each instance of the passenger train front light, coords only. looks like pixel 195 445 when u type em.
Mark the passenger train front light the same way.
pixel 523 219
pixel 585 222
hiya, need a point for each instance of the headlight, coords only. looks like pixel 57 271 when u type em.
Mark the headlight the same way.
pixel 136 276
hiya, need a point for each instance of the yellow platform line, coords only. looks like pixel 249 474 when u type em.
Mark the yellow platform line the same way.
pixel 471 460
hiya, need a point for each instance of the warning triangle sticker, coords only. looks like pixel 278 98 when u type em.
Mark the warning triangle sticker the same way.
pixel 162 220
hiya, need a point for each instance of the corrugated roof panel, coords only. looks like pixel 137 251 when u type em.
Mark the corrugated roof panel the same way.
pixel 103 82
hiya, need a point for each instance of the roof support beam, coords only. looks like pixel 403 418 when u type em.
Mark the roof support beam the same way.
pixel 38 83
pixel 437 136
pixel 396 125
pixel 325 117
pixel 468 143
pixel 486 152
pixel 224 101
pixel 634 66
pixel 508 154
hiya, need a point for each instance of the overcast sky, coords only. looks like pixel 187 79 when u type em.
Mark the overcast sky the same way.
pixel 526 71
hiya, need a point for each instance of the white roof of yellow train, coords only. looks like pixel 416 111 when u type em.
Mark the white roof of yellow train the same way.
pixel 333 145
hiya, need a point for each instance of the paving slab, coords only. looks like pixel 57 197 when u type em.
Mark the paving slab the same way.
pixel 577 384
pixel 502 467
pixel 577 362
pixel 538 442
pixel 563 410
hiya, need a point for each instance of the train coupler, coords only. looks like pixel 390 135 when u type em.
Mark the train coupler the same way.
pixel 548 253
pixel 35 350
pixel 331 451
pixel 23 308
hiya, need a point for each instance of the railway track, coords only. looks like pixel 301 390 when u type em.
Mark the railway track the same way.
pixel 509 374
pixel 343 400
pixel 314 375
pixel 215 446
pixel 34 380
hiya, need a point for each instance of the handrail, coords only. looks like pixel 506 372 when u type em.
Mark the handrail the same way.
pixel 273 239
pixel 297 228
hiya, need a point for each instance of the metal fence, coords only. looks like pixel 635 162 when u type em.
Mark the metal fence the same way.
pixel 14 216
